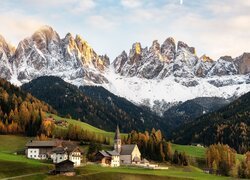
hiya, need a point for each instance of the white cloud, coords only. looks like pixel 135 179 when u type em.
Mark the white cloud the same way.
pixel 83 6
pixel 74 6
pixel 216 28
pixel 101 22
pixel 131 3
pixel 15 26
pixel 213 27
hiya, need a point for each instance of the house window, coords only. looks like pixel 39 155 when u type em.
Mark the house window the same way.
pixel 31 156
pixel 34 151
pixel 30 151
pixel 34 155
pixel 60 157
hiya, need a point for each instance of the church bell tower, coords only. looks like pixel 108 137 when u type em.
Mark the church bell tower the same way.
pixel 117 141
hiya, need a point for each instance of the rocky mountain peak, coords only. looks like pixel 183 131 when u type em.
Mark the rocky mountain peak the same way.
pixel 206 58
pixel 120 61
pixel 2 40
pixel 69 41
pixel 181 45
pixel 168 49
pixel 6 51
pixel 136 48
pixel 227 58
pixel 6 48
pixel 243 63
pixel 85 49
pixel 105 59
pixel 47 33
pixel 155 47
pixel 135 53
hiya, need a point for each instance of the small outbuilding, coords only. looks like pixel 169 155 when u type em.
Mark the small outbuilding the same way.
pixel 108 158
pixel 65 167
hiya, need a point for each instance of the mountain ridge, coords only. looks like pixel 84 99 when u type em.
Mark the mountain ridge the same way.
pixel 171 67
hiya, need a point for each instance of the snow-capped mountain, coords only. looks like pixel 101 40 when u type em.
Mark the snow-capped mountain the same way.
pixel 6 52
pixel 158 76
pixel 161 61
pixel 45 53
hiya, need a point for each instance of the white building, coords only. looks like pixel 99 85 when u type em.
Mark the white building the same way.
pixel 39 149
pixel 67 150
pixel 57 151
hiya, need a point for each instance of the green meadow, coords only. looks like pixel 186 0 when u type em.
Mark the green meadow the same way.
pixel 15 165
pixel 193 151
pixel 12 165
pixel 87 127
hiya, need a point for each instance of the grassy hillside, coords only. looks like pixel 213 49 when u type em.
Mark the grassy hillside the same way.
pixel 15 165
pixel 193 151
pixel 87 127
pixel 11 144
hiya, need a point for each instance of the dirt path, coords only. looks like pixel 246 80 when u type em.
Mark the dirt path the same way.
pixel 21 176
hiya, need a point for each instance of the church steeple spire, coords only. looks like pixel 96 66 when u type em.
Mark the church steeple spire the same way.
pixel 117 133
pixel 117 140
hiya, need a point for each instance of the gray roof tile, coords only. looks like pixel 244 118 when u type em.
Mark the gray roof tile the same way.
pixel 127 149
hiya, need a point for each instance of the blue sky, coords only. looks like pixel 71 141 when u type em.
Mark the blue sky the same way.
pixel 214 27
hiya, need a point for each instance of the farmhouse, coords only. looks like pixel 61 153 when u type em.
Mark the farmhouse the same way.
pixel 67 150
pixel 108 158
pixel 58 151
pixel 39 149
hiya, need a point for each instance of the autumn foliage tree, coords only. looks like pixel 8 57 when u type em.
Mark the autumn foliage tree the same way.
pixel 20 113
pixel 153 146
pixel 221 159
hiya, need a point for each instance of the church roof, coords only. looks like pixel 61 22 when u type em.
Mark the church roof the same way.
pixel 127 149
pixel 113 153
pixel 104 153
pixel 117 133
pixel 108 153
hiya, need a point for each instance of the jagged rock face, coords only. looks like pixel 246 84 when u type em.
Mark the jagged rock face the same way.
pixel 185 61
pixel 223 66
pixel 141 62
pixel 44 53
pixel 6 51
pixel 243 63
pixel 203 66
pixel 168 49
pixel 161 61
pixel 120 61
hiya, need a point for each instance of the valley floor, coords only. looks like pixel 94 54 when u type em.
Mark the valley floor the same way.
pixel 14 166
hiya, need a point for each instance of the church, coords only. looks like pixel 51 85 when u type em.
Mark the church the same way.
pixel 122 154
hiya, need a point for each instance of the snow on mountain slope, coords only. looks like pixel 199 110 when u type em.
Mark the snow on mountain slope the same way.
pixel 6 51
pixel 149 91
